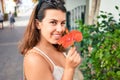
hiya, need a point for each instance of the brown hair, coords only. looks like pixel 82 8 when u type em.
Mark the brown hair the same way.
pixel 32 34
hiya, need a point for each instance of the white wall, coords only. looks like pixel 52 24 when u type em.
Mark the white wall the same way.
pixel 9 6
pixel 71 4
pixel 109 6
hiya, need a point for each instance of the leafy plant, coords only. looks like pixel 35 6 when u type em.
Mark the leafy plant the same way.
pixel 100 48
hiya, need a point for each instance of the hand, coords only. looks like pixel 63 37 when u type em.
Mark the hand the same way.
pixel 73 59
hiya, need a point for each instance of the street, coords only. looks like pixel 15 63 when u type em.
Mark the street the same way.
pixel 10 58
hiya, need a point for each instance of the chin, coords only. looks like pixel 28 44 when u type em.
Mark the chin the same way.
pixel 54 42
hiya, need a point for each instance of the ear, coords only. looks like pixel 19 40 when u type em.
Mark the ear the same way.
pixel 38 24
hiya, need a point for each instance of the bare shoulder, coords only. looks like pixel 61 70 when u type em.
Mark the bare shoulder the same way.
pixel 32 57
pixel 35 65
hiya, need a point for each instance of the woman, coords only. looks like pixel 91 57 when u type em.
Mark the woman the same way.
pixel 11 19
pixel 44 59
pixel 1 20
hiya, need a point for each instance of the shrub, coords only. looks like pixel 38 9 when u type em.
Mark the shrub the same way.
pixel 5 16
pixel 100 48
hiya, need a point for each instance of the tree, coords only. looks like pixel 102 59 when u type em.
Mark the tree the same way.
pixel 2 4
pixel 17 1
pixel 92 11
pixel 34 1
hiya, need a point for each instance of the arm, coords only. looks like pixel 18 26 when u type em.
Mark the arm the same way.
pixel 36 68
pixel 72 61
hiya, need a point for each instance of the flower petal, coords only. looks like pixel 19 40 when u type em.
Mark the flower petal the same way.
pixel 68 39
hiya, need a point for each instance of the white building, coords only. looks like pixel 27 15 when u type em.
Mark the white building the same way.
pixel 83 10
pixel 10 6
pixel 76 11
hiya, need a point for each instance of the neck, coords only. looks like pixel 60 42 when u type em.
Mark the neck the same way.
pixel 47 47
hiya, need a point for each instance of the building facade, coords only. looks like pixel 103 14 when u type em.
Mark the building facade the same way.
pixel 76 11
pixel 88 10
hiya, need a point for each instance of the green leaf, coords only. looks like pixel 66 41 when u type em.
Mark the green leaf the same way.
pixel 118 73
pixel 102 11
pixel 119 14
pixel 118 56
pixel 109 13
pixel 103 16
pixel 117 7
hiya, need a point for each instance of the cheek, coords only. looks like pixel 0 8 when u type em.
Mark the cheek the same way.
pixel 63 29
pixel 46 31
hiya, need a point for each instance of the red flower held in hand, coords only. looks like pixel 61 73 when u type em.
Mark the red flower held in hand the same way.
pixel 69 39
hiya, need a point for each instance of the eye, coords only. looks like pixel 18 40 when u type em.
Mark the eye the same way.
pixel 53 22
pixel 63 23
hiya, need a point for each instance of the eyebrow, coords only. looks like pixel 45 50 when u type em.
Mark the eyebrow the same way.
pixel 56 20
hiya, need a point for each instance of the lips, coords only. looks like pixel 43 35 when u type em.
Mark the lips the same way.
pixel 57 36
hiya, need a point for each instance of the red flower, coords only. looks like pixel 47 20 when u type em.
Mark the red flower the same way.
pixel 69 39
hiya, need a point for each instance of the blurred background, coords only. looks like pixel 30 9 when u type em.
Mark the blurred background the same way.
pixel 98 20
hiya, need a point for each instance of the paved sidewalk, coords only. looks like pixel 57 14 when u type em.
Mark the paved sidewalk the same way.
pixel 11 61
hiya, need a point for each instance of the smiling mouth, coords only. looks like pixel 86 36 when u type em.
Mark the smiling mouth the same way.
pixel 57 36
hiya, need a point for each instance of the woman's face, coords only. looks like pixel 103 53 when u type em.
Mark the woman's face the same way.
pixel 53 25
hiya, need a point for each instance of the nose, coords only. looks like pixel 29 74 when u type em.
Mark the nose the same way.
pixel 59 28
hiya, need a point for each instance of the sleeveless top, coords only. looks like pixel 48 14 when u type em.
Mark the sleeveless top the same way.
pixel 57 71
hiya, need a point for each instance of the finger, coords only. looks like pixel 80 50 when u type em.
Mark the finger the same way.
pixel 74 55
pixel 71 51
pixel 72 58
pixel 79 59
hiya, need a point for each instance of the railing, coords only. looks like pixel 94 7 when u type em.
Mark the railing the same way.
pixel 77 13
